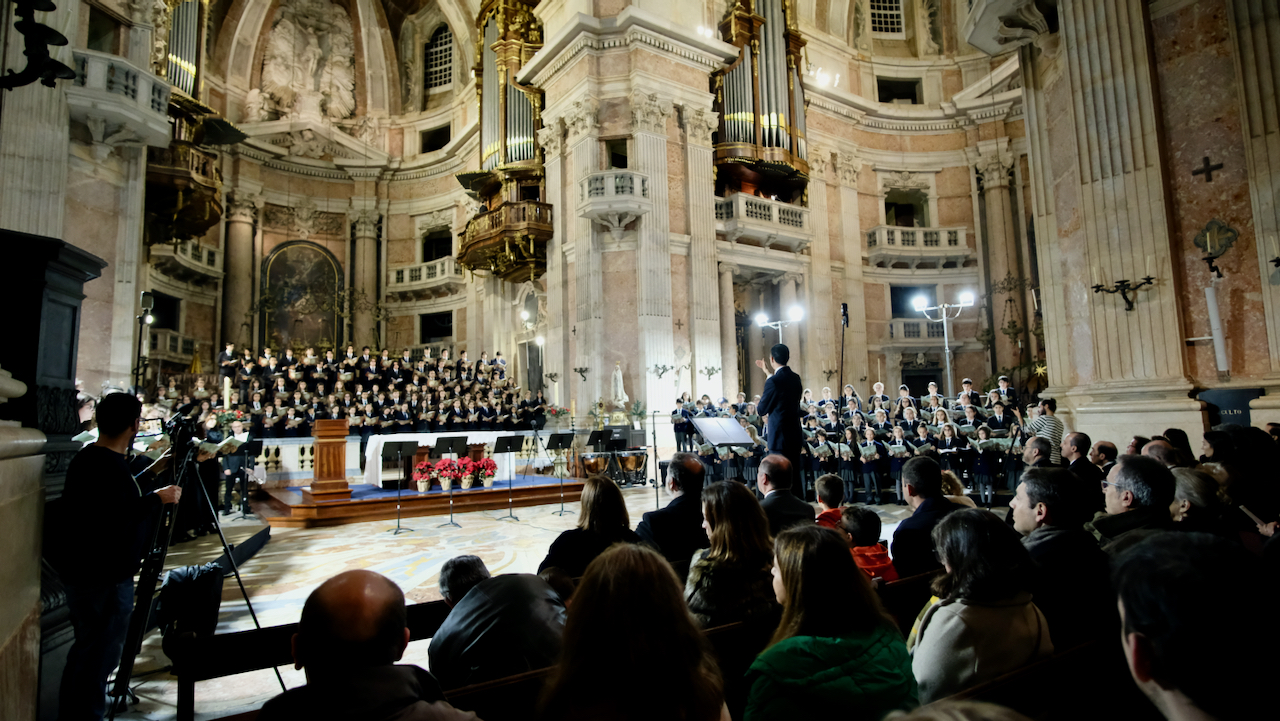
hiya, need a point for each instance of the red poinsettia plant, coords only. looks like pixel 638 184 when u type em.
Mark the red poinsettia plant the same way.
pixel 487 468
pixel 225 418
pixel 424 471
pixel 556 412
pixel 448 468
pixel 467 467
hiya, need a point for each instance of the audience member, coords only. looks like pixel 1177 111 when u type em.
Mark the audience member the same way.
pixel 861 527
pixel 985 624
pixel 1163 451
pixel 1195 629
pixel 830 492
pixel 953 490
pixel 676 530
pixel 497 626
pixel 1075 449
pixel 730 581
pixel 1035 452
pixel 1103 455
pixel 1182 443
pixel 563 583
pixel 1135 445
pixel 351 635
pixel 836 653
pixel 603 521
pixel 603 648
pixel 782 507
pixel 1138 493
pixel 1196 506
pixel 912 541
pixel 1072 588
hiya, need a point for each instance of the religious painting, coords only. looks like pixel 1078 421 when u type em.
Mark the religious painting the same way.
pixel 301 299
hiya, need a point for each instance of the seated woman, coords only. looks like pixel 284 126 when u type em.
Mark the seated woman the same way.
pixel 730 581
pixel 599 642
pixel 836 653
pixel 985 624
pixel 604 522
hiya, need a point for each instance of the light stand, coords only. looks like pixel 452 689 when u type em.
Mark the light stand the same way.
pixel 844 325
pixel 145 318
pixel 794 315
pixel 504 445
pixel 946 312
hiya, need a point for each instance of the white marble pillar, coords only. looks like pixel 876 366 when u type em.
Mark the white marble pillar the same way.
pixel 237 266
pixel 1002 248
pixel 787 297
pixel 822 319
pixel 583 126
pixel 855 336
pixel 35 138
pixel 365 273
pixel 649 115
pixel 728 342
pixel 556 349
pixel 128 266
pixel 704 305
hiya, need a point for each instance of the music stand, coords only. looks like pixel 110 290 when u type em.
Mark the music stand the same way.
pixel 720 432
pixel 598 438
pixel 457 445
pixel 560 442
pixel 396 452
pixel 508 445
pixel 251 449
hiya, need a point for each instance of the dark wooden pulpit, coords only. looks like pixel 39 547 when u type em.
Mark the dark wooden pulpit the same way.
pixel 330 461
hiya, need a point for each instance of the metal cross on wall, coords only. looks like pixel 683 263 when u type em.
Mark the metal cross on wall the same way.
pixel 1207 170
pixel 679 324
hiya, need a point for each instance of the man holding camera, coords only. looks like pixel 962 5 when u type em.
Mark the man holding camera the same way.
pixel 109 516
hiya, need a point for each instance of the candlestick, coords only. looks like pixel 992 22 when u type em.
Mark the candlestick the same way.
pixel 1095 278
pixel 1148 275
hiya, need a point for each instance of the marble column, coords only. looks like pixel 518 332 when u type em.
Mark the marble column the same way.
pixel 1002 250
pixel 728 330
pixel 364 275
pixel 787 291
pixel 35 138
pixel 128 266
pixel 704 305
pixel 556 349
pixel 649 115
pixel 822 322
pixel 583 124
pixel 237 262
pixel 855 338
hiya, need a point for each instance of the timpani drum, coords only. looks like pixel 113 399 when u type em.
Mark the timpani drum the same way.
pixel 595 464
pixel 632 464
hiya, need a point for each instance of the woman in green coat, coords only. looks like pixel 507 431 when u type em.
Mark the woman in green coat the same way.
pixel 836 652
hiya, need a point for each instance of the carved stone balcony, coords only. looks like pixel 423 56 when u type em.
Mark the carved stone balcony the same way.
pixel 169 346
pixel 998 26
pixel 188 261
pixel 509 241
pixel 914 332
pixel 614 198
pixel 184 191
pixel 433 279
pixel 763 222
pixel 117 100
pixel 912 248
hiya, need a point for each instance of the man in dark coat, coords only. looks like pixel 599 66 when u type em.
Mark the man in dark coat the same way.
pixel 676 530
pixel 912 547
pixel 781 403
pixel 781 507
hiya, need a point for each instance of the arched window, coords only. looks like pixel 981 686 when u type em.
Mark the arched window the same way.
pixel 439 58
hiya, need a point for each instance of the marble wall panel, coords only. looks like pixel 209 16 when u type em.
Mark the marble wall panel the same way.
pixel 676 196
pixel 198 323
pixel 93 207
pixel 621 329
pixel 834 224
pixel 402 331
pixel 680 304
pixel 402 251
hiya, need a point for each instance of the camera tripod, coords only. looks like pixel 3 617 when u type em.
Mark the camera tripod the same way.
pixel 153 564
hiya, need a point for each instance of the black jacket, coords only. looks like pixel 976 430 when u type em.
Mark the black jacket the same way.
pixel 506 625
pixel 106 518
pixel 576 548
pixel 785 510
pixel 1091 478
pixel 1073 585
pixel 781 402
pixel 913 540
pixel 381 693
pixel 676 530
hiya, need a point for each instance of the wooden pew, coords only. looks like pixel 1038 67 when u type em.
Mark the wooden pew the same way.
pixel 906 597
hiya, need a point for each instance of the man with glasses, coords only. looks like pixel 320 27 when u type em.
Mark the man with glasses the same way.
pixel 1137 494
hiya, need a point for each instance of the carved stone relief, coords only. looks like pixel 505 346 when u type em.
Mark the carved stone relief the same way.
pixel 308 70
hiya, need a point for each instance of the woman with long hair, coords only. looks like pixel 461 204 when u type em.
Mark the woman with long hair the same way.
pixel 603 522
pixel 599 642
pixel 730 581
pixel 985 624
pixel 836 653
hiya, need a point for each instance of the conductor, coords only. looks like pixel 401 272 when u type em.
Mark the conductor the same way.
pixel 781 403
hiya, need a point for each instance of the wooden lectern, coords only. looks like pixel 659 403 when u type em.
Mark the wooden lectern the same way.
pixel 329 462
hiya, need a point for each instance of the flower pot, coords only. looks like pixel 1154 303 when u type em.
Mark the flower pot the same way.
pixel 445 483
pixel 488 481
pixel 468 480
pixel 424 485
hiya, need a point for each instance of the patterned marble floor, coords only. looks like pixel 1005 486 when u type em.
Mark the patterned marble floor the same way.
pixel 295 561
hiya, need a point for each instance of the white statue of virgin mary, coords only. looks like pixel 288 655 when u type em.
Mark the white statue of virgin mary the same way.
pixel 616 392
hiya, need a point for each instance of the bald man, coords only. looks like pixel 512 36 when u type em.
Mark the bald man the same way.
pixel 352 633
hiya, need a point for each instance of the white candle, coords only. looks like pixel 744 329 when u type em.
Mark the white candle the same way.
pixel 1148 266
pixel 1094 276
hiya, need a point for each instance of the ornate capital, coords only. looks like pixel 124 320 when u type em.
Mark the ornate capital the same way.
pixel 582 119
pixel 847 169
pixel 649 113
pixel 698 124
pixel 730 268
pixel 994 170
pixel 792 277
pixel 244 207
pixel 365 221
pixel 551 138
pixel 819 161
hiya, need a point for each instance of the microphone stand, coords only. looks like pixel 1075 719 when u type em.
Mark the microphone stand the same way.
pixel 572 432
pixel 399 489
pixel 511 479
pixel 451 521
pixel 657 501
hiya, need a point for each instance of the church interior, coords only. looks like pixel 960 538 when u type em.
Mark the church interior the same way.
pixel 616 206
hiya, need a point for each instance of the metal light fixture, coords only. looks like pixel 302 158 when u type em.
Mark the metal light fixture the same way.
pixel 946 312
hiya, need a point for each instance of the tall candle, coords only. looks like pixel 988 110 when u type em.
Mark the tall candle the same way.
pixel 1148 266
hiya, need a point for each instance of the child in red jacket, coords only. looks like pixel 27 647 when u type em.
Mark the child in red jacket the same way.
pixel 862 527
pixel 830 492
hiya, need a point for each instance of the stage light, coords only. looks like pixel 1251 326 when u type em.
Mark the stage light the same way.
pixel 148 319
pixel 539 340
pixel 524 315
pixel 762 319
pixel 919 303
pixel 966 298
pixel 795 314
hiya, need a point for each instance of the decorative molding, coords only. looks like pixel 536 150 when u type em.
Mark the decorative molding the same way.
pixel 244 207
pixel 698 124
pixel 819 159
pixel 649 113
pixel 551 138
pixel 583 118
pixel 905 180
pixel 730 268
pixel 442 218
pixel 847 165
pixel 304 218
pixel 365 222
